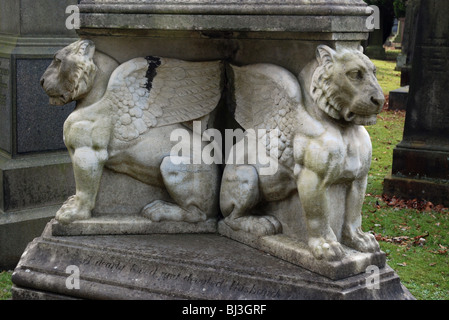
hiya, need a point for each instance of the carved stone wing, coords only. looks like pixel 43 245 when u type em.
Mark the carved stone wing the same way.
pixel 268 97
pixel 264 94
pixel 152 92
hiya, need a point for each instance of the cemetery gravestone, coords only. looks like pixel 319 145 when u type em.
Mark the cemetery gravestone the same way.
pixel 35 171
pixel 420 161
pixel 398 97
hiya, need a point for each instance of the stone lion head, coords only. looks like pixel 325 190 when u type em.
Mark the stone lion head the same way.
pixel 345 86
pixel 71 74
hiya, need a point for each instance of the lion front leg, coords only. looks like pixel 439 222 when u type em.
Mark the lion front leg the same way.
pixel 315 200
pixel 352 234
pixel 87 144
pixel 87 168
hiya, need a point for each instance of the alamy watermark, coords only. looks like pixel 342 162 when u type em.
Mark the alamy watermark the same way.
pixel 249 147
pixel 373 278
pixel 373 21
pixel 73 20
pixel 73 280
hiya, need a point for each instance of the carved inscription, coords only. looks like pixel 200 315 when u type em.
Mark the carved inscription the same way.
pixel 158 273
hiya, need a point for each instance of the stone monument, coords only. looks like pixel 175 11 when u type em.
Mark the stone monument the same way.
pixel 151 217
pixel 398 97
pixel 405 58
pixel 420 161
pixel 35 171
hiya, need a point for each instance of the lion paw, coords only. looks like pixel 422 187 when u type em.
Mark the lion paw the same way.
pixel 258 225
pixel 361 241
pixel 323 249
pixel 73 209
pixel 159 210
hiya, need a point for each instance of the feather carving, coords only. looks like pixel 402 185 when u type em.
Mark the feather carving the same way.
pixel 153 92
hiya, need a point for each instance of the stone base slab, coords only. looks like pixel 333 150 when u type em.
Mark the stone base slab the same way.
pixel 421 161
pixel 120 225
pixel 408 188
pixel 17 229
pixel 175 266
pixel 297 252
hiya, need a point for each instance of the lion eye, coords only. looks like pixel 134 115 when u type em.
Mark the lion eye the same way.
pixel 355 75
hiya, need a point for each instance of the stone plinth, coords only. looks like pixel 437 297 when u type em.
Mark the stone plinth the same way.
pixel 421 160
pixel 206 266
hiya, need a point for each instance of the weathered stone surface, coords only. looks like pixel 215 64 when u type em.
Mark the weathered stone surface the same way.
pixel 130 224
pixel 37 181
pixel 323 18
pixel 17 229
pixel 297 252
pixel 31 18
pixel 35 174
pixel 32 189
pixel 206 266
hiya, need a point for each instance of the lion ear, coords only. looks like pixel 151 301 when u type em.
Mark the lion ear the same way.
pixel 324 54
pixel 361 48
pixel 86 48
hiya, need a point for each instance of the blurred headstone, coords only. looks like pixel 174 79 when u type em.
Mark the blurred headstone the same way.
pixel 421 160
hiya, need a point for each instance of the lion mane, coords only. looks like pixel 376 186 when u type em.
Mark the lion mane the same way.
pixel 324 92
pixel 84 74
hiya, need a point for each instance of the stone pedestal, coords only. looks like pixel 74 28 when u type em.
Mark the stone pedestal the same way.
pixel 421 160
pixel 164 266
pixel 133 259
pixel 35 171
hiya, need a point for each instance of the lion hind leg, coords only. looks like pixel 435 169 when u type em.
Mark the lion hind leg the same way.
pixel 238 195
pixel 194 189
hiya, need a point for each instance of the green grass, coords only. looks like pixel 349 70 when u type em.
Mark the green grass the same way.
pixel 388 78
pixel 5 285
